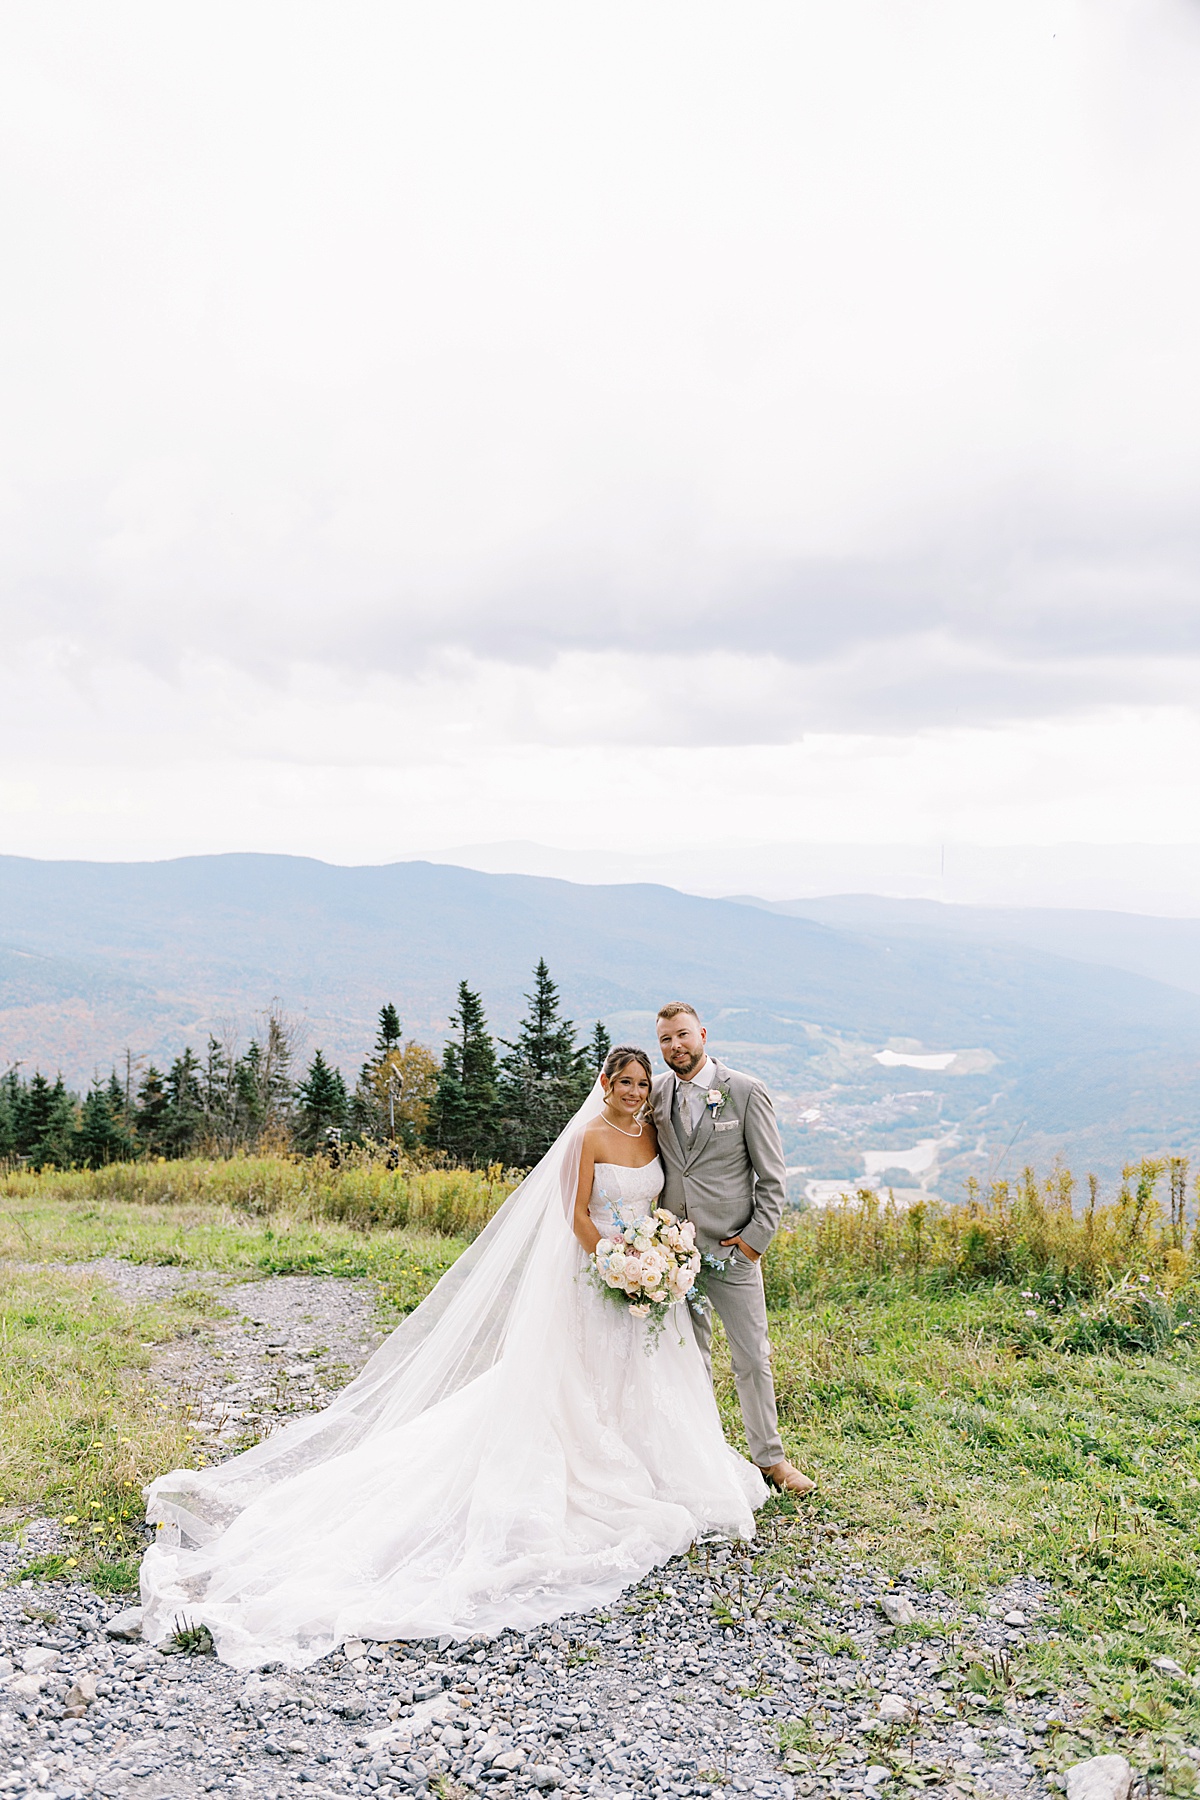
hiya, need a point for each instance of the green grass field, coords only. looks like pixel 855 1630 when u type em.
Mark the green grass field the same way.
pixel 1017 1393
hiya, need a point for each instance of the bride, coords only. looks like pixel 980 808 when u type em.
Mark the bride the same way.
pixel 519 1448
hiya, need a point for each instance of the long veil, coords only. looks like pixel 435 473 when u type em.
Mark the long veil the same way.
pixel 508 1455
pixel 508 1276
pixel 454 1335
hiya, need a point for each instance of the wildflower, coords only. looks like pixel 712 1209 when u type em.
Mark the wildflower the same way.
pixel 1031 1312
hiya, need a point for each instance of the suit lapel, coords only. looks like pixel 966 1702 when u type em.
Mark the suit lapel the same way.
pixel 664 1120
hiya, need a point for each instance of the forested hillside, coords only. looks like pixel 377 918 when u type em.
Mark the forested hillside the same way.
pixel 486 1103
pixel 1033 1053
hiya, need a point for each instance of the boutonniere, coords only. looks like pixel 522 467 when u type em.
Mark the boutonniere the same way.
pixel 715 1100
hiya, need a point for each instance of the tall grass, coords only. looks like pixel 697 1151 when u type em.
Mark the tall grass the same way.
pixel 1046 1235
pixel 362 1193
pixel 1043 1235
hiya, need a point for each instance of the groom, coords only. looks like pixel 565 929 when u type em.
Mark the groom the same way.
pixel 720 1147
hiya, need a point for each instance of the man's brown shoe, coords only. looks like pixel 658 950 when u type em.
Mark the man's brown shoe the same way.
pixel 784 1475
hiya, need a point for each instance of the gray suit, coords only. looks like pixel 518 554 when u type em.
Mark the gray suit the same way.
pixel 728 1177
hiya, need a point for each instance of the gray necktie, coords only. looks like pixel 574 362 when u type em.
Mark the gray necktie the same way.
pixel 687 1094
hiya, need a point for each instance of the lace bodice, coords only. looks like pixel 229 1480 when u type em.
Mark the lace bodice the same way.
pixel 621 1195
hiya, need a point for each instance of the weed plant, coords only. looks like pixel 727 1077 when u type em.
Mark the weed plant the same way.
pixel 1040 1235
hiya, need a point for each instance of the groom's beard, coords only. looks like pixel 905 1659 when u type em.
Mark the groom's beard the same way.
pixel 685 1074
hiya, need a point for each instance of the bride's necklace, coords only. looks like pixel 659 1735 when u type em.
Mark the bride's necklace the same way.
pixel 629 1134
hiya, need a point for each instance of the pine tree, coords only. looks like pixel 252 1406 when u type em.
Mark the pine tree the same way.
pixel 185 1105
pixel 465 1117
pixel 219 1092
pixel 9 1103
pixel 264 1083
pixel 592 1059
pixel 151 1121
pixel 539 1077
pixel 101 1137
pixel 46 1124
pixel 321 1104
pixel 248 1085
pixel 390 1030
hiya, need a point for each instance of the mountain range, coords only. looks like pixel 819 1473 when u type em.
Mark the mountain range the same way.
pixel 1005 1035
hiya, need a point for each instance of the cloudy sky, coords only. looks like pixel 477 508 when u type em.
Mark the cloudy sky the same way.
pixel 623 426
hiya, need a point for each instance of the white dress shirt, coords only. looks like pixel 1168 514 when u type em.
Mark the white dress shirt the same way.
pixel 691 1093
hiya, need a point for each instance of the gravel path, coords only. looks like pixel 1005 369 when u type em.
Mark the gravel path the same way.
pixel 260 1349
pixel 681 1690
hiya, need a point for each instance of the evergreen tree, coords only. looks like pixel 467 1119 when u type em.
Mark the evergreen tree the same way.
pixel 321 1104
pixel 592 1059
pixel 101 1137
pixel 263 1083
pixel 9 1102
pixel 218 1087
pixel 390 1030
pixel 249 1097
pixel 539 1077
pixel 151 1121
pixel 46 1124
pixel 465 1116
pixel 185 1105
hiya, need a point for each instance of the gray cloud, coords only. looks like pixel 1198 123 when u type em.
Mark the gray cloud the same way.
pixel 1005 627
pixel 802 340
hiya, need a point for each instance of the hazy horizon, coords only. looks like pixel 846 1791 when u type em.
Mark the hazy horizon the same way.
pixel 1136 878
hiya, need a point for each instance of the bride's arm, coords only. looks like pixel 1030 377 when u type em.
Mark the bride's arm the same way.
pixel 581 1222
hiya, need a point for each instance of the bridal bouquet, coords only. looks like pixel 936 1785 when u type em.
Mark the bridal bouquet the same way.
pixel 651 1266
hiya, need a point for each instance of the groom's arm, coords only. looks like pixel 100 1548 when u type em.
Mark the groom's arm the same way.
pixel 765 1150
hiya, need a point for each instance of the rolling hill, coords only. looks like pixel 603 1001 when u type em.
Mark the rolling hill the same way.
pixel 1041 1052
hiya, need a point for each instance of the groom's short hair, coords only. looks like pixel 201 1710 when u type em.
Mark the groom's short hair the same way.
pixel 674 1007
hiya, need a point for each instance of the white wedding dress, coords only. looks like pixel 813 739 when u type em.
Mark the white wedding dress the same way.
pixel 515 1451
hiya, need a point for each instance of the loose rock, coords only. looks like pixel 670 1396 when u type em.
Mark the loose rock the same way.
pixel 126 1625
pixel 897 1610
pixel 1099 1778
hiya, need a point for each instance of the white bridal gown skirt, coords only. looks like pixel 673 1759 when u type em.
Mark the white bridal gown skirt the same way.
pixel 542 1485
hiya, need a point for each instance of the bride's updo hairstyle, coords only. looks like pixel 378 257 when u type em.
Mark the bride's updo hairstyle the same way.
pixel 621 1057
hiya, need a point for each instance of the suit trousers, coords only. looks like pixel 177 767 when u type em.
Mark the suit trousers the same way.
pixel 739 1301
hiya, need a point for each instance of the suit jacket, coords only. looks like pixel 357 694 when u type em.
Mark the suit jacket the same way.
pixel 730 1180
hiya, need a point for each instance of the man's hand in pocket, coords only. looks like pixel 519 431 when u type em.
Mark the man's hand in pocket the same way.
pixel 737 1243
